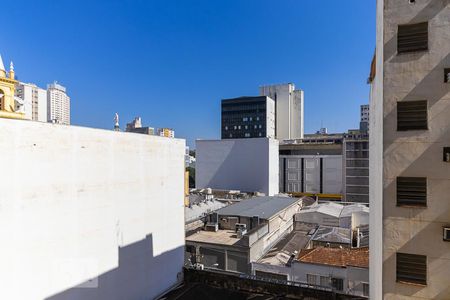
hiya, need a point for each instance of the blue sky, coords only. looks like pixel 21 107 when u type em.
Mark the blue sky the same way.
pixel 172 61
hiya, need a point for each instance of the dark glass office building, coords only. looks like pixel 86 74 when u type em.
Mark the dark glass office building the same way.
pixel 248 117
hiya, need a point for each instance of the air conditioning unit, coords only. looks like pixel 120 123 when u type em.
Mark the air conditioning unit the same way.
pixel 447 234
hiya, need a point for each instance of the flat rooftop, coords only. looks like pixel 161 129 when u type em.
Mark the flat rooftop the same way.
pixel 221 237
pixel 264 207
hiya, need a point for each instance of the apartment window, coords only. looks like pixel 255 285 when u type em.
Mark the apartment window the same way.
pixel 311 279
pixel 411 191
pixel 365 287
pixel 337 283
pixel 412 268
pixel 412 115
pixel 412 37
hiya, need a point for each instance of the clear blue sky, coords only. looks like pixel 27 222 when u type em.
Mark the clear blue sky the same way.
pixel 172 61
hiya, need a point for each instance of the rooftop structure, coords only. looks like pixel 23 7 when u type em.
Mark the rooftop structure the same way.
pixel 338 257
pixel 331 236
pixel 263 207
pixel 8 83
pixel 241 233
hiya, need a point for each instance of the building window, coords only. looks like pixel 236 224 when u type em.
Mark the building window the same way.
pixel 260 134
pixel 324 281
pixel 246 127
pixel 337 283
pixel 412 191
pixel 412 38
pixel 226 127
pixel 412 268
pixel 245 119
pixel 412 115
pixel 311 279
pixel 365 287
pixel 247 134
pixel 257 118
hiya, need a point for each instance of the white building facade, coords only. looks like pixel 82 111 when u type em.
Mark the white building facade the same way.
pixel 58 104
pixel 409 137
pixel 249 165
pixel 34 101
pixel 289 110
pixel 97 216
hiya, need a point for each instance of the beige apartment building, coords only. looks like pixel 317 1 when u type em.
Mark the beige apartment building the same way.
pixel 409 151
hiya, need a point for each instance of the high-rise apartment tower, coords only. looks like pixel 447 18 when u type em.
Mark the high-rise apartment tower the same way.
pixel 58 104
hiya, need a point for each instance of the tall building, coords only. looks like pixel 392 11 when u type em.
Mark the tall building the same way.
pixel 136 127
pixel 289 110
pixel 356 166
pixel 409 147
pixel 166 132
pixel 364 123
pixel 248 117
pixel 8 108
pixel 311 167
pixel 34 101
pixel 58 104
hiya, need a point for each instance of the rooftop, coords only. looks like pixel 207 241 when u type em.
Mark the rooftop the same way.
pixel 264 207
pixel 220 237
pixel 338 257
pixel 332 235
pixel 280 254
pixel 329 208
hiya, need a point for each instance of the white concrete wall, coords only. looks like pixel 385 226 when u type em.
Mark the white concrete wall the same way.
pixel 79 204
pixel 376 165
pixel 238 164
pixel 42 105
pixel 297 114
pixel 270 118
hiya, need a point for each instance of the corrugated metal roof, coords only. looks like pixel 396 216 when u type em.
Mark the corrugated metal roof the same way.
pixel 264 207
pixel 329 208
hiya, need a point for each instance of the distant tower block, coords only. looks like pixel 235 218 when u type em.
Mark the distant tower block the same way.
pixel 116 122
pixel 7 92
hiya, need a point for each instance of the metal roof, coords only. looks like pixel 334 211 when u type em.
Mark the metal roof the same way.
pixel 264 207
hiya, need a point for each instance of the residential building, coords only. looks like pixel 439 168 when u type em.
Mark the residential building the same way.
pixel 248 117
pixel 340 270
pixel 409 146
pixel 136 127
pixel 35 101
pixel 343 269
pixel 311 167
pixel 289 110
pixel 364 122
pixel 89 213
pixel 241 233
pixel 8 106
pixel 249 165
pixel 58 104
pixel 166 132
pixel 356 166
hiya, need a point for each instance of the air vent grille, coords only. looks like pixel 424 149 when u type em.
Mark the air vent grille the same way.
pixel 411 191
pixel 412 115
pixel 412 268
pixel 413 37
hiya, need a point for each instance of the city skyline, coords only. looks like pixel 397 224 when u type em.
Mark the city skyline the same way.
pixel 174 62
